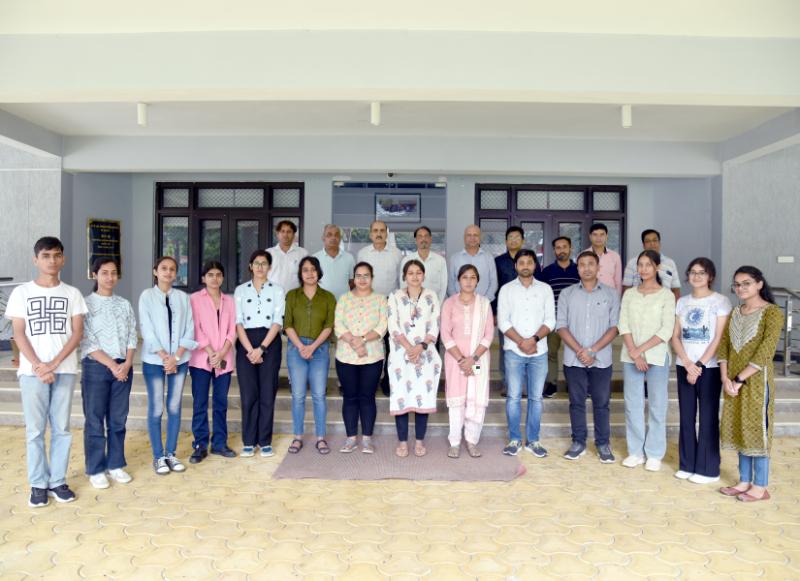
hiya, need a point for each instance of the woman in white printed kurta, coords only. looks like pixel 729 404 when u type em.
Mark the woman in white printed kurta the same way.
pixel 414 363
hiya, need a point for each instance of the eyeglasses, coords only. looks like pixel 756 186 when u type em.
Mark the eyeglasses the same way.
pixel 260 264
pixel 363 276
pixel 742 285
pixel 697 273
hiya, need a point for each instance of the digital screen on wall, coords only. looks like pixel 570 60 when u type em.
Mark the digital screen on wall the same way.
pixel 104 238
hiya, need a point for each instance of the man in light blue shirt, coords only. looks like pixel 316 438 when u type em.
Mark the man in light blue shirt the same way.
pixel 482 260
pixel 337 265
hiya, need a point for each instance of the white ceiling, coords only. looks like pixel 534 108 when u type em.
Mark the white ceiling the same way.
pixel 650 122
pixel 728 18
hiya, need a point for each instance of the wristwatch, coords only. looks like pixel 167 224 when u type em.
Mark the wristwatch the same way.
pixel 537 338
pixel 424 346
pixel 364 339
pixel 700 364
pixel 591 353
pixel 475 358
pixel 738 379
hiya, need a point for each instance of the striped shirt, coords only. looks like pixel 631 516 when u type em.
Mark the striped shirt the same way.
pixel 587 315
pixel 560 278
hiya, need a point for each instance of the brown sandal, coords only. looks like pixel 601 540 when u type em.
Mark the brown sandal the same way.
pixel 402 450
pixel 322 447
pixel 296 446
pixel 419 449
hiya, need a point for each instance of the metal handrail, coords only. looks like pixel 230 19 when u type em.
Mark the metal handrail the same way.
pixel 790 296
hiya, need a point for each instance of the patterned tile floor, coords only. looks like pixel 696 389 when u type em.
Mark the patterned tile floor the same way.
pixel 225 519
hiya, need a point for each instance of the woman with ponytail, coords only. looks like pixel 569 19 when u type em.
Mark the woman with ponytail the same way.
pixel 109 341
pixel 745 359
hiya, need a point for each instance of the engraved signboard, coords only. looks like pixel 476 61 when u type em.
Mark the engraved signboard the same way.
pixel 104 238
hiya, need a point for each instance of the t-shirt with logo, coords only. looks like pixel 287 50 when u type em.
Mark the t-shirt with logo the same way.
pixel 48 313
pixel 698 317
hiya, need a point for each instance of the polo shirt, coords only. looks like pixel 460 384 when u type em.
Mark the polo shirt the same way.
pixel 337 271
pixel 560 278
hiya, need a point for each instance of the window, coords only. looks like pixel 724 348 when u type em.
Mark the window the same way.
pixel 199 221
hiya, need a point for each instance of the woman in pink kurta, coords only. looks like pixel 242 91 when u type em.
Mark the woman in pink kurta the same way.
pixel 467 329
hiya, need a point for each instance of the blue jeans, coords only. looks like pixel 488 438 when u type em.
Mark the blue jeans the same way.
pixel 219 408
pixel 42 402
pixel 750 464
pixel 155 378
pixel 313 372
pixel 520 370
pixel 106 402
pixel 648 440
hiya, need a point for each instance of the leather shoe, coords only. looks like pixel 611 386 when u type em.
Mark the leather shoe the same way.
pixel 225 452
pixel 198 455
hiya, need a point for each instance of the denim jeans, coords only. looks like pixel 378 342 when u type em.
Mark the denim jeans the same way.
pixel 649 440
pixel 106 402
pixel 520 370
pixel 748 465
pixel 220 384
pixel 155 378
pixel 313 372
pixel 42 402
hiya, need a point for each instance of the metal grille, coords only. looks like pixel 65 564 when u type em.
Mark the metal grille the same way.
pixel 286 198
pixel 606 201
pixel 246 243
pixel 493 236
pixel 175 198
pixel 175 243
pixel 494 200
pixel 230 198
pixel 566 201
pixel 614 236
pixel 572 230
pixel 531 200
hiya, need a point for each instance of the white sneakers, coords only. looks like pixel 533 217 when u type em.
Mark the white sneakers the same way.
pixel 653 465
pixel 632 461
pixel 700 479
pixel 118 475
pixel 683 475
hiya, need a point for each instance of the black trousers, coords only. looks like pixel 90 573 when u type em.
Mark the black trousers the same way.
pixel 258 386
pixel 359 383
pixel 699 449
pixel 595 381
pixel 420 426
pixel 385 380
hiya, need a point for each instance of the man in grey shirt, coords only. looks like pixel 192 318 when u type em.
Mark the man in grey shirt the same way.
pixel 586 321
pixel 477 256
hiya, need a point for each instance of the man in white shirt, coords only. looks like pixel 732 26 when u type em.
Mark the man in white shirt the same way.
pixel 667 270
pixel 526 313
pixel 478 257
pixel 337 265
pixel 286 257
pixel 385 261
pixel 435 264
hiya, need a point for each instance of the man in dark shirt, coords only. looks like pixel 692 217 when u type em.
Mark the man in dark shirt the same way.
pixel 506 272
pixel 559 275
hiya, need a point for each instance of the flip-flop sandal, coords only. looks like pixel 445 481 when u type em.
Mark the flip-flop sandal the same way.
pixel 322 447
pixel 473 451
pixel 402 450
pixel 454 452
pixel 420 450
pixel 296 446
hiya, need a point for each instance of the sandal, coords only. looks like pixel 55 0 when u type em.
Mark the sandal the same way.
pixel 402 450
pixel 322 447
pixel 419 449
pixel 296 446
pixel 473 451
pixel 454 452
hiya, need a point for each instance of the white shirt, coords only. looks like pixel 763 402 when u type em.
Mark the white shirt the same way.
pixel 667 272
pixel 435 273
pixel 385 265
pixel 698 320
pixel 283 271
pixel 526 309
pixel 48 313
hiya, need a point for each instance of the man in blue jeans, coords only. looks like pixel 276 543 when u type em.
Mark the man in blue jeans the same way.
pixel 47 317
pixel 525 315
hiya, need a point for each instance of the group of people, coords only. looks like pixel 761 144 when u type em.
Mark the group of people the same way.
pixel 388 315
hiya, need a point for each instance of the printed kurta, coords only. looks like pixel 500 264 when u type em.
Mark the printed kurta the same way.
pixel 747 419
pixel 413 385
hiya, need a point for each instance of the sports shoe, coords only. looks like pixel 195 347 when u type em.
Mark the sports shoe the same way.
pixel 633 461
pixel 512 448
pixel 99 480
pixel 119 475
pixel 61 493
pixel 653 464
pixel 536 449
pixel 700 479
pixel 683 475
pixel 349 445
pixel 174 464
pixel 367 447
pixel 549 390
pixel 160 466
pixel 266 451
pixel 224 452
pixel 575 451
pixel 248 452
pixel 606 457
pixel 38 498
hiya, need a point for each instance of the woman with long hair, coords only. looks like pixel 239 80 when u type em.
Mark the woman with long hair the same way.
pixel 745 359
pixel 646 323
pixel 108 344
pixel 699 322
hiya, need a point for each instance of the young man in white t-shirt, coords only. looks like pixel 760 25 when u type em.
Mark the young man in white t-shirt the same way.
pixel 47 316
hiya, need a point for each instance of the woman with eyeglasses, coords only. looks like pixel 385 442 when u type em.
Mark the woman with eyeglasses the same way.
pixel 745 359
pixel 360 325
pixel 259 316
pixel 699 321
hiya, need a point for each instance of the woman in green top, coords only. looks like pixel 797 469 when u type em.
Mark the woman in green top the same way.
pixel 308 322
pixel 745 359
